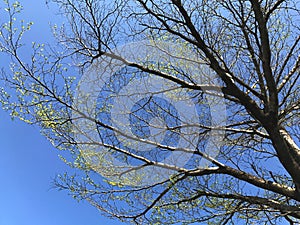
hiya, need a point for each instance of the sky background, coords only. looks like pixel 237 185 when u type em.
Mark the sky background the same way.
pixel 28 162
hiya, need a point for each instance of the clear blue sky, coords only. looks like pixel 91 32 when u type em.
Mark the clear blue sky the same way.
pixel 28 162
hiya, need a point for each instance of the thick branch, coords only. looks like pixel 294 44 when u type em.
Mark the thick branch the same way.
pixel 266 60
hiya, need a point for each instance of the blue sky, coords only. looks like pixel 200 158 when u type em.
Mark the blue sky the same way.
pixel 28 162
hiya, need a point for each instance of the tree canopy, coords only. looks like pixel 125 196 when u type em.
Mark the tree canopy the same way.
pixel 176 111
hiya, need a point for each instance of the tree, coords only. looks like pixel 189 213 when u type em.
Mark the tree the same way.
pixel 243 53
